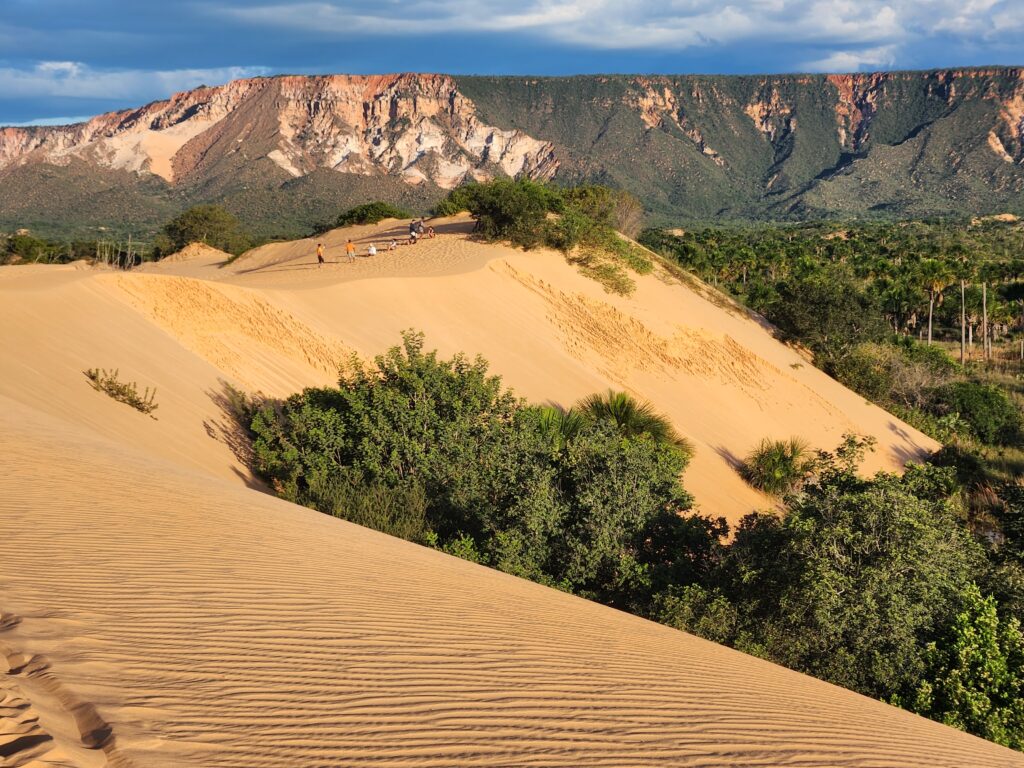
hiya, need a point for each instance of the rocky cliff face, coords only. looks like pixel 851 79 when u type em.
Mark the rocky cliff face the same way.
pixel 417 126
pixel 286 152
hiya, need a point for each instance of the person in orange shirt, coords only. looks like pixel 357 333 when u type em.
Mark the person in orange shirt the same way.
pixel 350 250
pixel 319 255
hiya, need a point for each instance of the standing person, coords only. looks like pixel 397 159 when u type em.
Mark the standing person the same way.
pixel 350 250
pixel 372 250
pixel 420 228
pixel 319 255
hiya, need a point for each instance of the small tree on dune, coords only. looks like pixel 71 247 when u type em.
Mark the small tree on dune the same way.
pixel 210 224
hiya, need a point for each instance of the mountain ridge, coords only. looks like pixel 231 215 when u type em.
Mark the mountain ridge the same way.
pixel 691 147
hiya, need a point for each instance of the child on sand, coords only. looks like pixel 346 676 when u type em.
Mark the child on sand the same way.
pixel 350 250
pixel 319 255
pixel 430 232
pixel 372 250
pixel 392 245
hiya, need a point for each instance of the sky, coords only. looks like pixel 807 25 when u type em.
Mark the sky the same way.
pixel 64 60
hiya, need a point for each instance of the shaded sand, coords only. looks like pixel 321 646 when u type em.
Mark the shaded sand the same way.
pixel 273 321
pixel 154 616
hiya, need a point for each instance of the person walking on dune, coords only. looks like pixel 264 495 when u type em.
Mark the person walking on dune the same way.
pixel 350 250
pixel 319 255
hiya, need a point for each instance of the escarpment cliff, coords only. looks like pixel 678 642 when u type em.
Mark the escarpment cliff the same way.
pixel 286 151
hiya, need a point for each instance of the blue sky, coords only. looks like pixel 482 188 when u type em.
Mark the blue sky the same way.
pixel 63 59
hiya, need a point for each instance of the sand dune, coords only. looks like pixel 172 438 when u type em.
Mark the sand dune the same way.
pixel 153 616
pixel 156 611
pixel 273 321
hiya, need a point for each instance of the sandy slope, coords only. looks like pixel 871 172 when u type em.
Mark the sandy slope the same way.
pixel 154 611
pixel 272 320
pixel 154 616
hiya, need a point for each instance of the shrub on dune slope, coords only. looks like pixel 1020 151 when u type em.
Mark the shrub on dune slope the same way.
pixel 583 503
pixel 860 581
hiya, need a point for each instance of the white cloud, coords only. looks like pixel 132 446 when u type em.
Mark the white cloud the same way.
pixel 71 79
pixel 852 61
pixel 861 32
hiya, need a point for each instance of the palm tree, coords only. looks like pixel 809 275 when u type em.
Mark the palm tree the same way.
pixel 935 277
pixel 632 418
pixel 560 424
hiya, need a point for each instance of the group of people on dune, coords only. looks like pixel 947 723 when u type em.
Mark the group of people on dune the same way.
pixel 417 229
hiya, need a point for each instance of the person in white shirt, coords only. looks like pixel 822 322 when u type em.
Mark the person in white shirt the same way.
pixel 372 250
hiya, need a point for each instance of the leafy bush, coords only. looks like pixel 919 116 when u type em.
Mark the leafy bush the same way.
pixel 777 467
pixel 830 313
pixel 398 511
pixel 458 200
pixel 106 381
pixel 511 210
pixel 210 224
pixel 975 677
pixel 371 213
pixel 857 576
pixel 588 500
pixel 903 374
pixel 579 221
pixel 987 408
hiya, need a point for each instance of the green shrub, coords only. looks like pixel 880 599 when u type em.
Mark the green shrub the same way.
pixel 588 500
pixel 398 511
pixel 975 676
pixel 106 381
pixel 987 408
pixel 830 313
pixel 904 374
pixel 777 467
pixel 370 213
pixel 700 611
pixel 511 210
pixel 459 200
pixel 853 581
pixel 210 224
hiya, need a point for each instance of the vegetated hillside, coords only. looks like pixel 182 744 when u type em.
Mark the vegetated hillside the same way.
pixel 285 152
pixel 806 146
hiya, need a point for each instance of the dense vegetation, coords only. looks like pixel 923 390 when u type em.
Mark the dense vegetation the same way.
pixel 25 248
pixel 924 318
pixel 583 222
pixel 367 213
pixel 927 320
pixel 877 584
pixel 587 500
